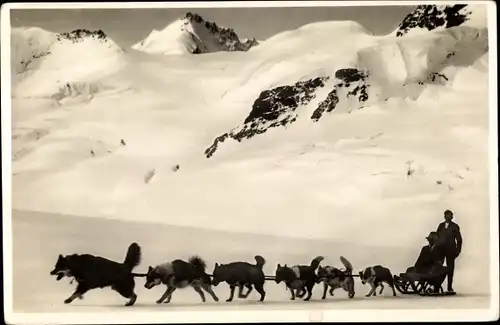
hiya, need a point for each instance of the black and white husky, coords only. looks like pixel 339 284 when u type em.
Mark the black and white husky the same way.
pixel 299 279
pixel 335 278
pixel 375 276
pixel 179 274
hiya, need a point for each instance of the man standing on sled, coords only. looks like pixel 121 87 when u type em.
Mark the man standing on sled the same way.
pixel 449 232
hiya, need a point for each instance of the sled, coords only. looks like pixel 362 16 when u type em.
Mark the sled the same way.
pixel 414 283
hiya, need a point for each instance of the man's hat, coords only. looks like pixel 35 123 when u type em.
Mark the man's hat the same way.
pixel 432 234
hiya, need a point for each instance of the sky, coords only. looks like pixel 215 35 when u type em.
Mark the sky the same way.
pixel 129 26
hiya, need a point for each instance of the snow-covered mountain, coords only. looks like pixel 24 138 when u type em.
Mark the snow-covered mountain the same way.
pixel 366 70
pixel 61 65
pixel 194 35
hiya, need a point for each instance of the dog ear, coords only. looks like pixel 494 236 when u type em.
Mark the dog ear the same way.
pixel 216 265
pixel 150 269
pixel 279 266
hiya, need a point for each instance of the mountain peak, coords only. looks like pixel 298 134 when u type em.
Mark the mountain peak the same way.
pixel 432 17
pixel 79 35
pixel 192 34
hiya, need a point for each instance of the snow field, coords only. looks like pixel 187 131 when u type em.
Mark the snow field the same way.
pixel 36 291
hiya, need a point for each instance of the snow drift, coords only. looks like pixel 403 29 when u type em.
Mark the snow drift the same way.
pixel 61 65
pixel 193 35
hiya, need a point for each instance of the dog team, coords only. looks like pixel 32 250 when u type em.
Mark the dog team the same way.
pixel 93 272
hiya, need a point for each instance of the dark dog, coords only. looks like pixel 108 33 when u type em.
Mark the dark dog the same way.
pixel 376 276
pixel 336 278
pixel 241 274
pixel 299 277
pixel 179 274
pixel 93 272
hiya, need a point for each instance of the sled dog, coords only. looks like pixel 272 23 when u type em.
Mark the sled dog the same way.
pixel 335 278
pixel 93 272
pixel 241 274
pixel 179 274
pixel 299 278
pixel 375 276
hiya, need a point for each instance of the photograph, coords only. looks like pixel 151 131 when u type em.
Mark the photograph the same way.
pixel 234 161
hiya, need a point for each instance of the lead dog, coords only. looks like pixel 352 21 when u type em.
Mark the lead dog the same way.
pixel 179 274
pixel 241 274
pixel 92 272
pixel 375 276
pixel 335 278
pixel 299 277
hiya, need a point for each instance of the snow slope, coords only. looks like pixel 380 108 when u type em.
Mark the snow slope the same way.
pixel 28 47
pixel 360 140
pixel 64 65
pixel 193 35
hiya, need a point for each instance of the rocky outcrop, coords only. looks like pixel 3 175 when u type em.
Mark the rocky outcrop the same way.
pixel 273 108
pixel 78 35
pixel 277 107
pixel 430 17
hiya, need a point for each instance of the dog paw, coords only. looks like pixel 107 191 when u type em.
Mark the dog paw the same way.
pixel 159 301
pixel 367 295
pixel 323 297
pixel 68 301
pixel 229 300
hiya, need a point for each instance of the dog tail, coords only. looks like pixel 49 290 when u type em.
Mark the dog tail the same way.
pixel 260 261
pixel 347 264
pixel 315 262
pixel 198 263
pixel 133 257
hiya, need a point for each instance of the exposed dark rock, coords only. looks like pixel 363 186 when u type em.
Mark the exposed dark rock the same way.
pixel 435 76
pixel 78 35
pixel 347 78
pixel 431 17
pixel 277 107
pixel 34 56
pixel 349 75
pixel 273 108
pixel 225 37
